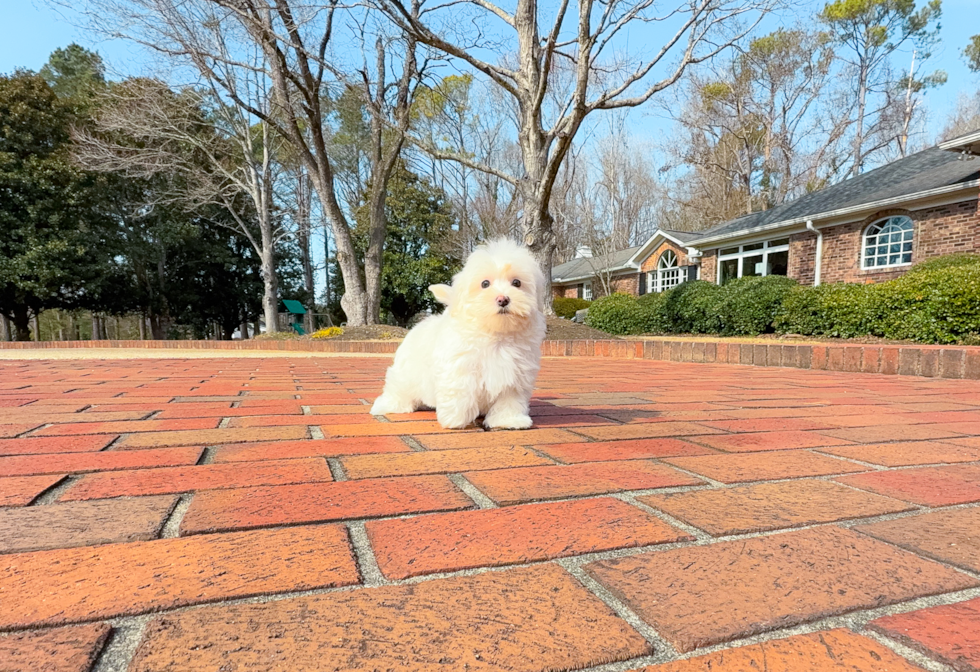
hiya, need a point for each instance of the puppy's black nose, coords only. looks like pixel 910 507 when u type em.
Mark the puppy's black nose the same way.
pixel 502 301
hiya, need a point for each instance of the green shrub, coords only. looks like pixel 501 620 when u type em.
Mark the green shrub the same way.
pixel 618 314
pixel 839 310
pixel 748 306
pixel 940 304
pixel 948 261
pixel 692 308
pixel 567 307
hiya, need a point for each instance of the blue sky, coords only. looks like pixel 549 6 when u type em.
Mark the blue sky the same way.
pixel 32 30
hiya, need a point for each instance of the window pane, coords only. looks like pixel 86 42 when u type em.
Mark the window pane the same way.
pixel 777 242
pixel 907 258
pixel 729 250
pixel 753 246
pixel 752 266
pixel 893 259
pixel 777 263
pixel 728 270
pixel 906 247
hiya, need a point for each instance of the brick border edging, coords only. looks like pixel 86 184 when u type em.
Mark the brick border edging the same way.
pixel 930 361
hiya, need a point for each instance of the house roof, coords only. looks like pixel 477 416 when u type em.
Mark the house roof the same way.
pixel 930 172
pixel 628 259
pixel 968 143
pixel 585 267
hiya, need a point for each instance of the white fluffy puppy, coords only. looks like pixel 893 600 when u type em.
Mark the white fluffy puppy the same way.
pixel 482 354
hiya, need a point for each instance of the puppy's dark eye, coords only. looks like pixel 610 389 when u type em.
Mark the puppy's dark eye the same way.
pixel 515 282
pixel 485 284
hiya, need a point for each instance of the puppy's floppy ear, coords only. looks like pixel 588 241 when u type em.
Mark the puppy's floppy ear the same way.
pixel 442 293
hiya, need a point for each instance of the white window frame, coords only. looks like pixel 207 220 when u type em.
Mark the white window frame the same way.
pixel 906 237
pixel 765 250
pixel 587 291
pixel 668 273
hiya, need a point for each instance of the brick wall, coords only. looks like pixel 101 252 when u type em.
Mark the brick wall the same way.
pixel 709 265
pixel 802 253
pixel 565 291
pixel 937 231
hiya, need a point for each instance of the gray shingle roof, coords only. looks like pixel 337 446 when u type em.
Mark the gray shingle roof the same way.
pixel 927 170
pixel 578 268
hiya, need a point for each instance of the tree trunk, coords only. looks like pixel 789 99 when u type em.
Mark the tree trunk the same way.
pixel 22 324
pixel 326 264
pixel 4 328
pixel 96 332
pixel 36 323
pixel 270 294
pixel 244 329
pixel 859 131
pixel 141 319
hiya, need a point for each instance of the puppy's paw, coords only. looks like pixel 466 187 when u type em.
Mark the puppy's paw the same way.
pixel 516 421
pixel 386 404
pixel 454 418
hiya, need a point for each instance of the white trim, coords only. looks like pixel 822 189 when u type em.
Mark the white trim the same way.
pixel 964 143
pixel 851 210
pixel 742 253
pixel 660 233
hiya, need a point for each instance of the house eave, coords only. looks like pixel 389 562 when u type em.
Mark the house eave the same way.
pixel 618 269
pixel 965 187
pixel 968 144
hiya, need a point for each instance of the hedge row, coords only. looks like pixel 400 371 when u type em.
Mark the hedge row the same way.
pixel 565 307
pixel 935 302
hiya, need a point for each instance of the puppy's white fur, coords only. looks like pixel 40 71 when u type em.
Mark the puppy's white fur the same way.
pixel 476 358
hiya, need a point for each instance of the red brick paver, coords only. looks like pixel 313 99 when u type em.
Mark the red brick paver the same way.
pixel 952 536
pixel 949 633
pixel 511 535
pixel 770 506
pixel 81 584
pixel 213 500
pixel 293 504
pixel 509 486
pixel 22 490
pixel 61 650
pixel 828 651
pixel 930 486
pixel 464 623
pixel 202 477
pixel 710 594
pixel 83 523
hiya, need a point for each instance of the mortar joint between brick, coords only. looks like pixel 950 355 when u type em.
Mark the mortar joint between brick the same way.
pixel 413 443
pixel 336 469
pixel 659 644
pixel 695 532
pixel 118 651
pixel 207 456
pixel 224 423
pixel 472 491
pixel 52 494
pixel 907 652
pixel 316 433
pixel 367 563
pixel 171 527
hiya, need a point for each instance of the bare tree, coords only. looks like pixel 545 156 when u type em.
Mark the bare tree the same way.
pixel 580 38
pixel 870 32
pixel 220 153
pixel 759 129
pixel 298 66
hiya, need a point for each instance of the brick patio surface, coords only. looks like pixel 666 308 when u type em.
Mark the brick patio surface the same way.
pixel 178 515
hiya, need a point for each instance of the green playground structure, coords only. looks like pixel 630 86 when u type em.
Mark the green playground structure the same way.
pixel 296 312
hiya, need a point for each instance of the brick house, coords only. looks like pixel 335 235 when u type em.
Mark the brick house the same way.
pixel 869 228
pixel 662 262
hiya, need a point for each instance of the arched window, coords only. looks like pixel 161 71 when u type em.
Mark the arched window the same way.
pixel 668 274
pixel 888 242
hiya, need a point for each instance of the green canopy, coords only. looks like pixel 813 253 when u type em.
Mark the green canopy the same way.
pixel 294 307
